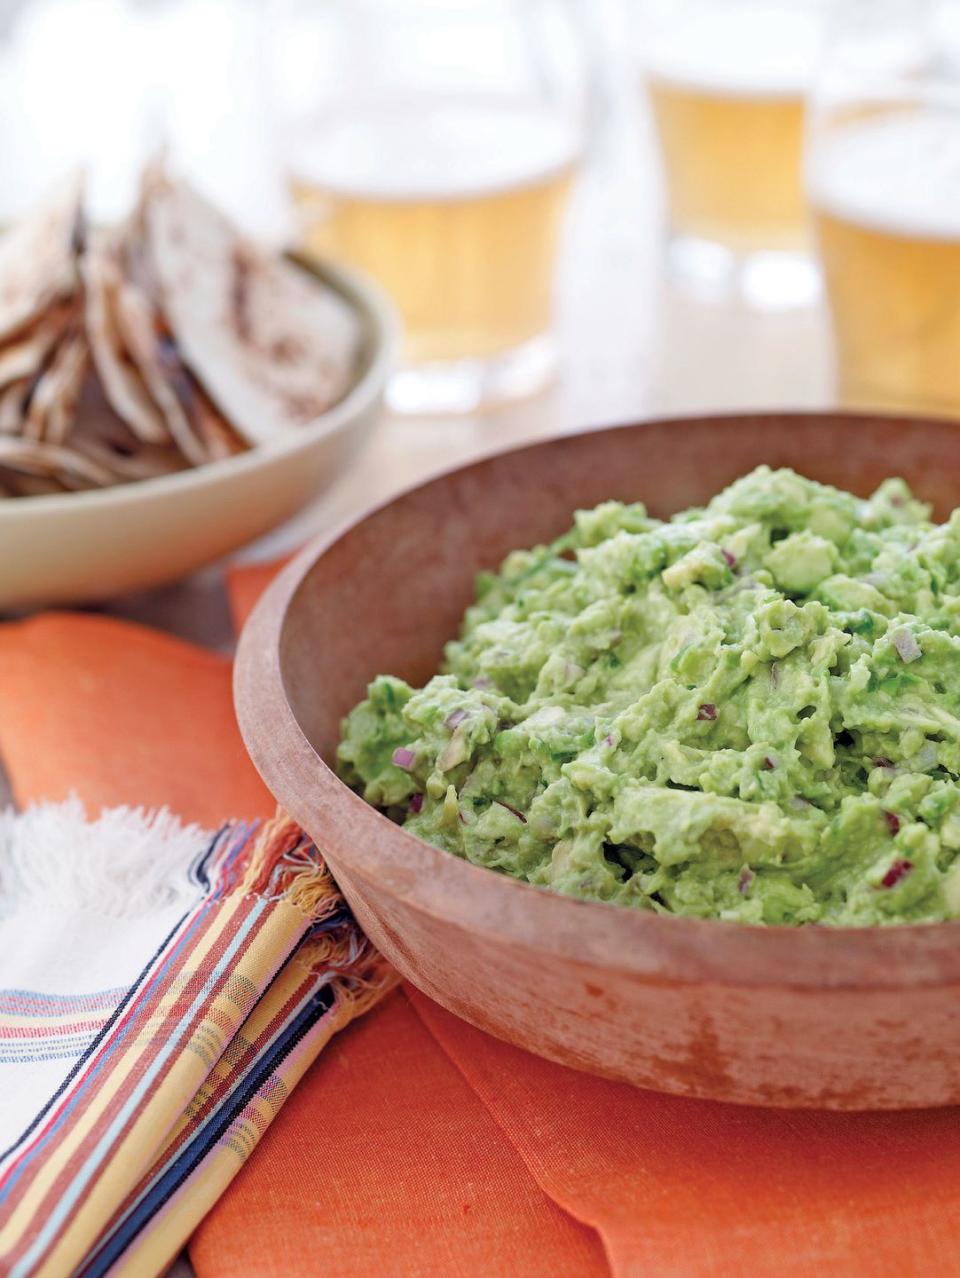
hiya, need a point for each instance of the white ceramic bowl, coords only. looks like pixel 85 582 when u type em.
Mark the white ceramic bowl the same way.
pixel 87 546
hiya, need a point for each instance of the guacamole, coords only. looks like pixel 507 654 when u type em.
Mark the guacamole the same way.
pixel 748 712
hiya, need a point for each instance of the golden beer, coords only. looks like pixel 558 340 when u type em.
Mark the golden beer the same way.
pixel 886 197
pixel 732 164
pixel 726 82
pixel 455 210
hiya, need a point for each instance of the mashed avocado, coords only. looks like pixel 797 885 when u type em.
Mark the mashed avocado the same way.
pixel 749 712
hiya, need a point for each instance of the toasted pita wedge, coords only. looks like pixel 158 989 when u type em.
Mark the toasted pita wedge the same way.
pixel 38 260
pixel 271 346
pixel 122 378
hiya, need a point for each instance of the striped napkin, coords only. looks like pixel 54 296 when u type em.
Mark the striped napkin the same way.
pixel 166 988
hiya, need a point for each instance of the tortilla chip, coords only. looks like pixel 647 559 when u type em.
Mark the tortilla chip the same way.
pixel 53 399
pixel 100 434
pixel 272 346
pixel 157 362
pixel 119 373
pixel 25 355
pixel 168 342
pixel 52 461
pixel 13 399
pixel 17 484
pixel 189 412
pixel 38 260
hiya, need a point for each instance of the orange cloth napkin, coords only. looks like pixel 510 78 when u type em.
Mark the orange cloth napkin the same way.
pixel 122 714
pixel 417 1145
pixel 692 1189
pixel 406 1173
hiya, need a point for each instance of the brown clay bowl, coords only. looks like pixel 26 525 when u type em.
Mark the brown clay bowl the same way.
pixel 835 1018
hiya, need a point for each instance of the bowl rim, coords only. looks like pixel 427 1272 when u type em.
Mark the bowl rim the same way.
pixel 528 917
pixel 382 329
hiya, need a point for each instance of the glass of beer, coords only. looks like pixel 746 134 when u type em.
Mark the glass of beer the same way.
pixel 883 173
pixel 433 144
pixel 727 81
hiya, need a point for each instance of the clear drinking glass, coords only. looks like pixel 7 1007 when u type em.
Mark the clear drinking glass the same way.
pixel 883 173
pixel 726 81
pixel 433 144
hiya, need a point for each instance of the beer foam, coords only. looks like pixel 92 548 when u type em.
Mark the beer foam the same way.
pixel 898 173
pixel 740 49
pixel 440 151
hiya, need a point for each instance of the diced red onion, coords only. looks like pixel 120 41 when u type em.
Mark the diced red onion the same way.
pixel 892 820
pixel 416 803
pixel 518 815
pixel 483 682
pixel 897 870
pixel 707 711
pixel 457 716
pixel 403 758
pixel 881 762
pixel 769 762
pixel 746 878
pixel 906 645
pixel 731 559
pixel 610 740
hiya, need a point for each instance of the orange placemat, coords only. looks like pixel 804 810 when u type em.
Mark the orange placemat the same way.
pixel 389 1163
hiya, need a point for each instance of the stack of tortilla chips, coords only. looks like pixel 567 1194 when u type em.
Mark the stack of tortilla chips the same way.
pixel 166 342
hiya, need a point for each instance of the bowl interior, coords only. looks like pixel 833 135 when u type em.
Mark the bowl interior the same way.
pixel 386 595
